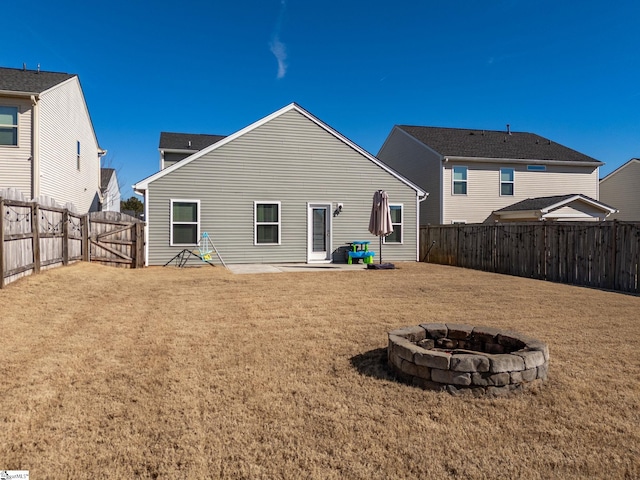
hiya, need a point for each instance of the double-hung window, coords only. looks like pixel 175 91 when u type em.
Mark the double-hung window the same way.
pixel 459 186
pixel 396 223
pixel 185 222
pixel 266 223
pixel 506 181
pixel 9 126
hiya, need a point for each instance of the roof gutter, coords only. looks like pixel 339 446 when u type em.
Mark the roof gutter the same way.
pixel 14 93
pixel 524 161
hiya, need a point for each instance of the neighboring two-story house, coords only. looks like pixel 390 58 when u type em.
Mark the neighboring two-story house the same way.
pixel 476 176
pixel 110 190
pixel 622 189
pixel 48 146
pixel 178 146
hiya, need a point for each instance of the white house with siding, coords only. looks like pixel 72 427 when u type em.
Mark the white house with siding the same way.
pixel 470 174
pixel 287 188
pixel 48 146
pixel 622 189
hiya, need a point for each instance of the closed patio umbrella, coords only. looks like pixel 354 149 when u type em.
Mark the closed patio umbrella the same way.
pixel 380 221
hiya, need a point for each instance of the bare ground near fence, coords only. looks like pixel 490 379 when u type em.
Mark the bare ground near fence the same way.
pixel 199 373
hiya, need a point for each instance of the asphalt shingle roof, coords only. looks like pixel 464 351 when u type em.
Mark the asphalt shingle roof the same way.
pixel 460 142
pixel 544 202
pixel 180 141
pixel 105 177
pixel 31 81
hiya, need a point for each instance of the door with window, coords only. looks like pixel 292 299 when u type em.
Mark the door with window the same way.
pixel 319 232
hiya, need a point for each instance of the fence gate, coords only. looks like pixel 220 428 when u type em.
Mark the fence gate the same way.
pixel 116 239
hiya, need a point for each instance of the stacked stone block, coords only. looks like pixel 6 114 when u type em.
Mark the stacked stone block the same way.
pixel 462 358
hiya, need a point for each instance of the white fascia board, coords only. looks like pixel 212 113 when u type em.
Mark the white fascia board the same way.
pixel 619 169
pixel 13 93
pixel 519 214
pixel 177 150
pixel 143 184
pixel 523 161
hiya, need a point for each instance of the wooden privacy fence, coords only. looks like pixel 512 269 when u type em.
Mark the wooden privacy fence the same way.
pixel 601 255
pixel 35 237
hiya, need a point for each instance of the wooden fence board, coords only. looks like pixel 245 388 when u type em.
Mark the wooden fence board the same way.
pixel 601 255
pixel 35 237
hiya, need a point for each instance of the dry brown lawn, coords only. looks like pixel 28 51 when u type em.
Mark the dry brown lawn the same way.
pixel 199 373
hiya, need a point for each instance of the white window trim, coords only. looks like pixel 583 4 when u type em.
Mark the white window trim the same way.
pixel 16 126
pixel 183 200
pixel 401 242
pixel 255 221
pixel 458 222
pixel 453 180
pixel 512 182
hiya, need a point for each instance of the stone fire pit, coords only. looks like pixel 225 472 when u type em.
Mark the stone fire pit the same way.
pixel 465 359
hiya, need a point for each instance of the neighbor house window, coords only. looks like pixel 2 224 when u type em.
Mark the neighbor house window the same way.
pixel 396 222
pixel 537 168
pixel 267 223
pixel 459 180
pixel 78 154
pixel 9 126
pixel 506 181
pixel 185 222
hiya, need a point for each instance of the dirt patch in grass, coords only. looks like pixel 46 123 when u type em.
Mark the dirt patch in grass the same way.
pixel 196 373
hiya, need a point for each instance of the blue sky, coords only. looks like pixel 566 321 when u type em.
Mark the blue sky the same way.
pixel 569 71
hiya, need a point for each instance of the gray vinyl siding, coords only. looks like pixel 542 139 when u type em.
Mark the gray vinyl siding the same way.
pixel 621 190
pixel 414 161
pixel 289 159
pixel 15 162
pixel 64 120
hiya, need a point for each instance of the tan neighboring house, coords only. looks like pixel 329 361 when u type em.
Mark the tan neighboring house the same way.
pixel 48 147
pixel 622 189
pixel 474 176
pixel 178 146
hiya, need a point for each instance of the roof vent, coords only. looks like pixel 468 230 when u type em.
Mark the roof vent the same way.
pixel 508 129
pixel 189 143
pixel 38 68
pixel 24 67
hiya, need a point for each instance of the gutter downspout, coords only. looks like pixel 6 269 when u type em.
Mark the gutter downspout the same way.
pixel 419 200
pixel 35 147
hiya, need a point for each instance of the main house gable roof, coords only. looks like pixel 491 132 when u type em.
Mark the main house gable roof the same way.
pixel 30 81
pixel 187 141
pixel 143 184
pixel 494 144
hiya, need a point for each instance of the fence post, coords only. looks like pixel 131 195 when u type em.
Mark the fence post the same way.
pixel 35 232
pixel 85 238
pixel 1 242
pixel 65 237
pixel 614 254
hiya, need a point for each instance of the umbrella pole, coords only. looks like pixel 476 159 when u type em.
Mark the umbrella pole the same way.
pixel 380 261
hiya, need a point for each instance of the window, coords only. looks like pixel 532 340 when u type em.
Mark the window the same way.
pixel 78 154
pixel 9 126
pixel 537 168
pixel 267 223
pixel 506 181
pixel 185 222
pixel 396 222
pixel 459 180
